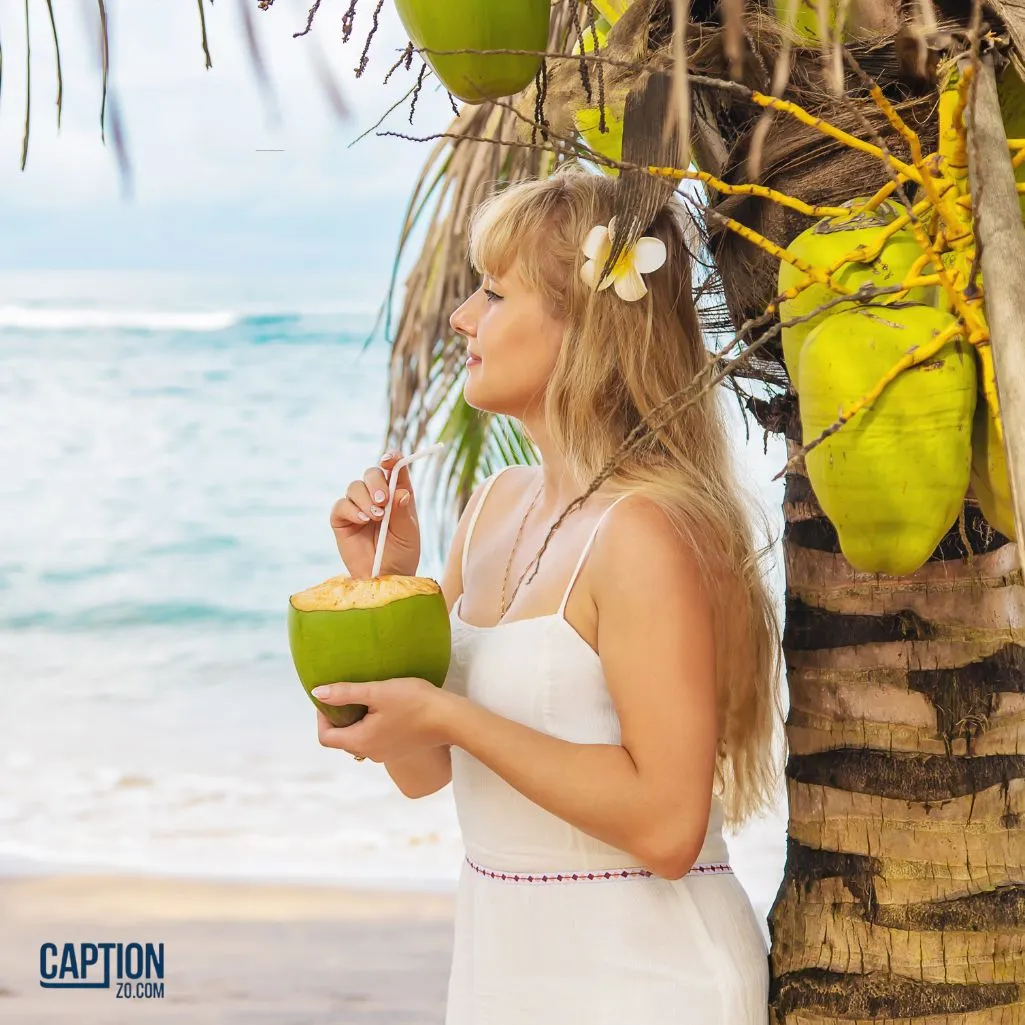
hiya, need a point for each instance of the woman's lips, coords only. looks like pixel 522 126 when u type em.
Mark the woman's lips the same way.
pixel 473 361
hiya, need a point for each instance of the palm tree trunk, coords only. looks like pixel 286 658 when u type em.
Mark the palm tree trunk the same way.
pixel 903 897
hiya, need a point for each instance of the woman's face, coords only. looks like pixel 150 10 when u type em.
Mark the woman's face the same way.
pixel 515 341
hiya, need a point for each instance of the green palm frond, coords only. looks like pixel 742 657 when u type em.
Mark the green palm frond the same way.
pixel 479 444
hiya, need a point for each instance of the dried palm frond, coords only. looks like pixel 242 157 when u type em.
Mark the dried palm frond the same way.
pixel 647 140
pixel 427 363
pixel 730 134
pixel 795 158
pixel 633 46
pixel 635 66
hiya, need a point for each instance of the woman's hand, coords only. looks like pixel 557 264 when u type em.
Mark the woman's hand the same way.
pixel 405 714
pixel 356 521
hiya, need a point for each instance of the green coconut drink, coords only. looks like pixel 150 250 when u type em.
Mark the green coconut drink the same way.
pixel 361 629
pixel 373 628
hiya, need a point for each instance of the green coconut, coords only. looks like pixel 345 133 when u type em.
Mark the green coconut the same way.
pixel 860 20
pixel 827 241
pixel 595 40
pixel 892 480
pixel 607 13
pixel 479 25
pixel 1011 92
pixel 990 483
pixel 608 143
pixel 612 10
pixel 372 628
pixel 804 19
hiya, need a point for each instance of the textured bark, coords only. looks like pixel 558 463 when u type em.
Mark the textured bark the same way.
pixel 903 898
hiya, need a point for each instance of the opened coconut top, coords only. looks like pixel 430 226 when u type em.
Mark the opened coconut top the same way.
pixel 341 593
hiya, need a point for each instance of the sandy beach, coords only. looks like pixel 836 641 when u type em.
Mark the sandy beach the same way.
pixel 262 954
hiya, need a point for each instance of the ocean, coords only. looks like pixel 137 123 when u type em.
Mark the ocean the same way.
pixel 172 446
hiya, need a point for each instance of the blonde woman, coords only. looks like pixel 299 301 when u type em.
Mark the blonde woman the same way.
pixel 602 722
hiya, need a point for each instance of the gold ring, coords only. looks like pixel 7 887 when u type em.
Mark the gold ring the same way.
pixel 359 758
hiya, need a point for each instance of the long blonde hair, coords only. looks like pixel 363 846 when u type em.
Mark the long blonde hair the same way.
pixel 618 361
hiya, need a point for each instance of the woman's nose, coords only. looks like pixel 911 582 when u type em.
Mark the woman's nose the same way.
pixel 461 321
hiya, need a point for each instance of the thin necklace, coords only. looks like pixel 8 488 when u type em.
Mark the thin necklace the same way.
pixel 504 606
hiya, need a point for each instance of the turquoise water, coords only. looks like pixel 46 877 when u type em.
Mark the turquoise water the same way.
pixel 172 447
pixel 172 451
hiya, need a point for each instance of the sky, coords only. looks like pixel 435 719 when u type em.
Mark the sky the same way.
pixel 203 197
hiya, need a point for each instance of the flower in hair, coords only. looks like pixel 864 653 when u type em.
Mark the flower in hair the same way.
pixel 647 254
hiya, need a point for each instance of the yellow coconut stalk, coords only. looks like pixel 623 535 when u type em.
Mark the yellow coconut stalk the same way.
pixel 889 251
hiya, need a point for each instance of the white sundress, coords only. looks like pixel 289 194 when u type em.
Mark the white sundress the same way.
pixel 555 927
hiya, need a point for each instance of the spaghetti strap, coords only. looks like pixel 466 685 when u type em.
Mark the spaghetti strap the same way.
pixel 476 512
pixel 583 555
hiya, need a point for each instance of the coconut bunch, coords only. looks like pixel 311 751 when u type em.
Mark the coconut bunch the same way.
pixel 891 473
pixel 667 83
pixel 893 479
pixel 892 450
pixel 772 149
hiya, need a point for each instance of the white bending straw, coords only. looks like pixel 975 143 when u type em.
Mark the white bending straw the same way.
pixel 431 450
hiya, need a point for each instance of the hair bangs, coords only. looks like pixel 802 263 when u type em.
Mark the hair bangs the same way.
pixel 494 234
pixel 512 226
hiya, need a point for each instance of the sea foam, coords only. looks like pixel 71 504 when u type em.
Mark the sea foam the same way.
pixel 84 318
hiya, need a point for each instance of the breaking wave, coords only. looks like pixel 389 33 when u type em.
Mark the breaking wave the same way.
pixel 56 318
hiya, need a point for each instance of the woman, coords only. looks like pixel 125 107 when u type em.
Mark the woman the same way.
pixel 602 719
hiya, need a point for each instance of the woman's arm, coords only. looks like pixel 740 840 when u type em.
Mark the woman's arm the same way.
pixel 430 769
pixel 650 794
pixel 422 773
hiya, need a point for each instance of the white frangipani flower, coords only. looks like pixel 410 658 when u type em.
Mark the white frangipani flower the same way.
pixel 647 254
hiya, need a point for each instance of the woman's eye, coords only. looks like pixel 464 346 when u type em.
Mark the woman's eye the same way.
pixel 492 296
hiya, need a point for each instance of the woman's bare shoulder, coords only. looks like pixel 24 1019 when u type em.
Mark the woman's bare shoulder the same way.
pixel 636 537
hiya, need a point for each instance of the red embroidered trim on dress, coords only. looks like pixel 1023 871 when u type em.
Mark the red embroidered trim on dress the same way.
pixel 559 877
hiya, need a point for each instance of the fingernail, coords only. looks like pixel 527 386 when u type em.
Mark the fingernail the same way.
pixel 361 515
pixel 379 496
pixel 404 500
pixel 377 512
pixel 321 692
